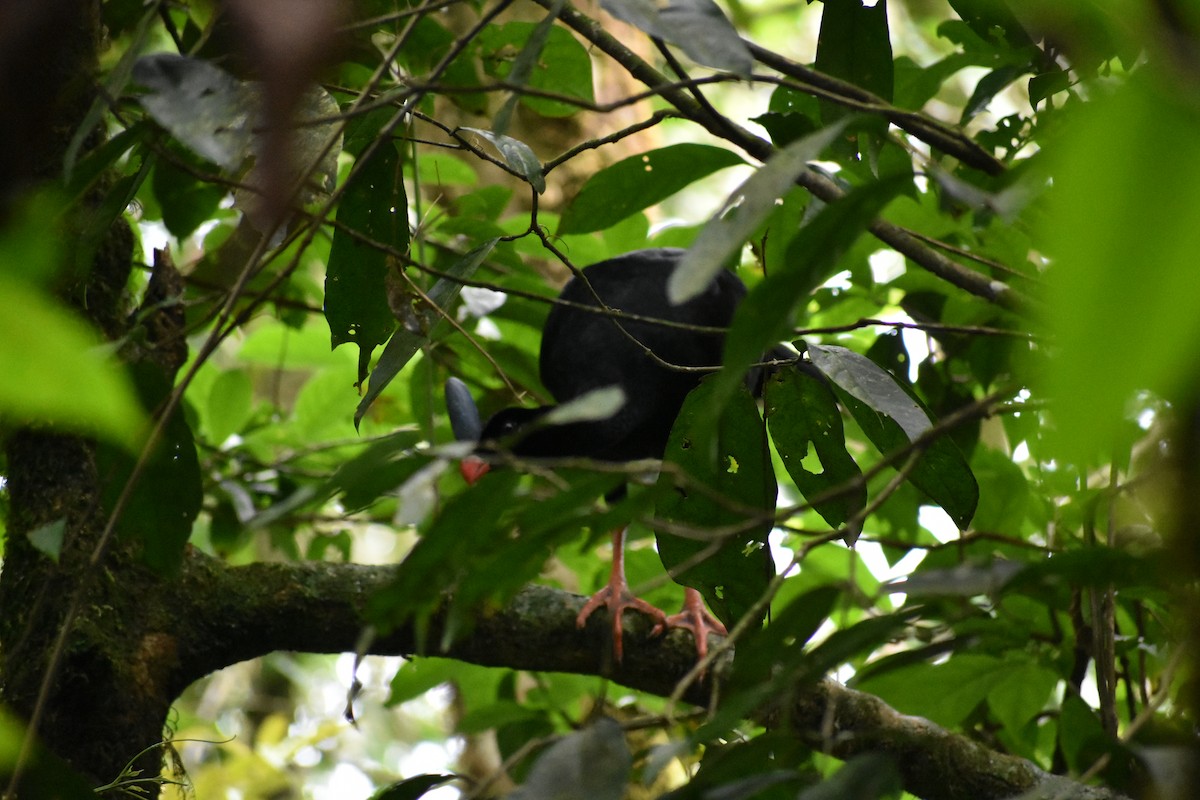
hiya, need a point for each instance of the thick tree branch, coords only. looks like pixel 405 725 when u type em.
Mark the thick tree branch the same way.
pixel 228 614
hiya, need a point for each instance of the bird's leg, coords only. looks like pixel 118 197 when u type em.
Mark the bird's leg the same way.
pixel 616 597
pixel 696 618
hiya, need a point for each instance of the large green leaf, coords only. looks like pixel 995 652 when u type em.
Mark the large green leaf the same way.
pixel 373 206
pixel 891 418
pixel 801 411
pixel 547 59
pixel 765 316
pixel 55 369
pixel 854 45
pixel 640 181
pixel 742 213
pixel 1121 230
pixel 724 485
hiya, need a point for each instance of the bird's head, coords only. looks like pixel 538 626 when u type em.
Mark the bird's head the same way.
pixel 505 430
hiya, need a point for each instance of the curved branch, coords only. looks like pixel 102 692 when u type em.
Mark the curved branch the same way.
pixel 228 614
pixel 894 236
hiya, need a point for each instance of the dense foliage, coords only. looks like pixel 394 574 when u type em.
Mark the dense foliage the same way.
pixel 975 220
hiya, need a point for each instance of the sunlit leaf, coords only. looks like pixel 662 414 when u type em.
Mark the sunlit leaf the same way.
pixel 743 211
pixel 1129 258
pixel 201 105
pixel 802 411
pixel 640 181
pixel 54 369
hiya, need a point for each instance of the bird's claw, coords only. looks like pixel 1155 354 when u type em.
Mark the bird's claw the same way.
pixel 618 598
pixel 697 619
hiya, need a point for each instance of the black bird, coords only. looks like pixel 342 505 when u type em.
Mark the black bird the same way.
pixel 583 351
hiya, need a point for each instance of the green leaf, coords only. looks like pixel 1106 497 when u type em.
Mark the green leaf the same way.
pixel 405 343
pixel 186 202
pixel 48 539
pixel 518 156
pixel 640 181
pixel 1021 694
pixel 554 59
pixel 374 206
pixel 854 44
pixel 1128 259
pixel 992 21
pixel 861 377
pixel 941 472
pixel 468 550
pixel 788 632
pixel 801 410
pixel 724 484
pixel 166 498
pixel 200 104
pixel 412 788
pixel 55 371
pixel 698 27
pixel 988 87
pixel 946 693
pixel 230 404
pixel 765 316
pixel 742 213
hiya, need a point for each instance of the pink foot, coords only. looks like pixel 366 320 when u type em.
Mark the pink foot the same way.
pixel 697 619
pixel 616 597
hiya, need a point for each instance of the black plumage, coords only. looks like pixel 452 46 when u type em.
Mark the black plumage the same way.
pixel 584 351
pixel 654 364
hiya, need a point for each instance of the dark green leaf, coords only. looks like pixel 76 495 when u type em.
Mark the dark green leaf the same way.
pixel 640 181
pixel 166 498
pixel 186 202
pixel 941 472
pixel 405 343
pixel 855 45
pixel 724 485
pixel 373 206
pixel 1048 84
pixel 788 632
pixel 412 788
pixel 801 410
pixel 992 21
pixel 988 87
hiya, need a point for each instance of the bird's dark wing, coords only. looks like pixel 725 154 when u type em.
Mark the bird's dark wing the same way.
pixel 582 350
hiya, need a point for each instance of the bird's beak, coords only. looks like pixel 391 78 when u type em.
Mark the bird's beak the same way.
pixel 473 468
